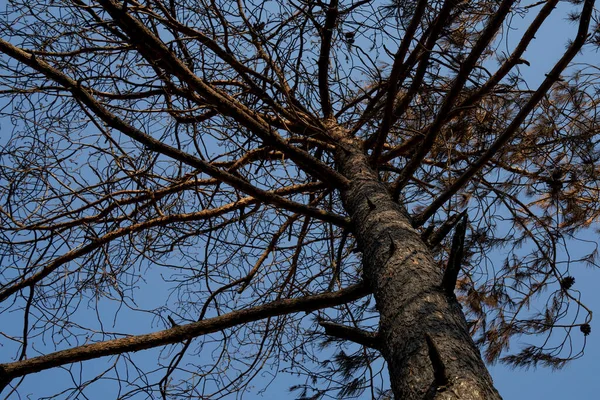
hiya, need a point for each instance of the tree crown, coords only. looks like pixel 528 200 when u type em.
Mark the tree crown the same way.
pixel 178 163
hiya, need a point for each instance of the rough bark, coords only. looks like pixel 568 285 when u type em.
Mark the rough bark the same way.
pixel 423 332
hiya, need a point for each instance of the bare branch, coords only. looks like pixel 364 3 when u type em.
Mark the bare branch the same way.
pixel 180 333
pixel 356 335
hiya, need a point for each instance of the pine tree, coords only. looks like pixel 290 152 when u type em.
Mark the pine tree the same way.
pixel 337 190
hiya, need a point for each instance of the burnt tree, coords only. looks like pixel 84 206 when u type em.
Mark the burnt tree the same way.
pixel 248 181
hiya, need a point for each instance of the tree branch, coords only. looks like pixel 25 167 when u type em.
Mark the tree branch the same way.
pixel 511 130
pixel 398 70
pixel 323 62
pixel 356 335
pixel 180 333
pixel 461 78
pixel 505 68
pixel 113 121
pixel 456 256
pixel 155 51
pixel 435 238
pixel 440 376
pixel 7 290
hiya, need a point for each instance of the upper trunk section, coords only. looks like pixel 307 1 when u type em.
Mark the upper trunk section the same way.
pixel 423 331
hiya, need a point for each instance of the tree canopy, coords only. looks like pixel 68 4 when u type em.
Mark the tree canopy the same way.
pixel 244 186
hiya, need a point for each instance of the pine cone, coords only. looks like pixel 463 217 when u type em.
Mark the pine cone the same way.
pixel 567 282
pixel 586 329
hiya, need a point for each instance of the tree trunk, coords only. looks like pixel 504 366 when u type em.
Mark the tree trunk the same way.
pixel 423 331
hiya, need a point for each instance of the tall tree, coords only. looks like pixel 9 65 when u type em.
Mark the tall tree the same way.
pixel 247 181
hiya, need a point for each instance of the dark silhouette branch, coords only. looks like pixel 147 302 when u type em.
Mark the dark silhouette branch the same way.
pixel 513 60
pixel 356 335
pixel 455 258
pixel 331 16
pixel 434 238
pixel 153 144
